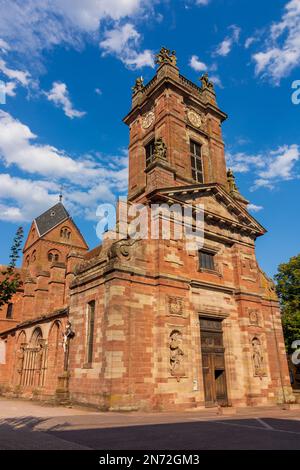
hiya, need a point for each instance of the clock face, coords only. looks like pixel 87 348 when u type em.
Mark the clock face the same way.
pixel 194 118
pixel 148 120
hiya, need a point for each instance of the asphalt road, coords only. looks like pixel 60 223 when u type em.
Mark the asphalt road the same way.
pixel 26 425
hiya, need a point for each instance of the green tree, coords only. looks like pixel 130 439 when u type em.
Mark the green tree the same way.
pixel 11 280
pixel 288 290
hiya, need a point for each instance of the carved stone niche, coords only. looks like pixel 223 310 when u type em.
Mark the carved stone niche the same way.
pixel 175 306
pixel 176 354
pixel 254 317
pixel 259 369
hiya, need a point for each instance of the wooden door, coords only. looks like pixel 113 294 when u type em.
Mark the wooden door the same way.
pixel 213 363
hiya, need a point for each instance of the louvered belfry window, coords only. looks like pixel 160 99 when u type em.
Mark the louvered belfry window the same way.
pixel 196 162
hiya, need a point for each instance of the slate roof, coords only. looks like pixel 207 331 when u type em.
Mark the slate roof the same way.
pixel 52 217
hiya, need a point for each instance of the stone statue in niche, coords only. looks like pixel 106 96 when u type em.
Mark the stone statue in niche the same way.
pixel 20 358
pixel 67 336
pixel 160 149
pixel 257 358
pixel 176 354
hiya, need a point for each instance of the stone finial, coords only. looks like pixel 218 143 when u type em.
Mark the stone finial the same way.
pixel 138 86
pixel 206 83
pixel 166 56
pixel 231 181
pixel 234 190
pixel 160 149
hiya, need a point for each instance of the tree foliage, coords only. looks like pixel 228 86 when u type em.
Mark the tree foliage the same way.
pixel 10 279
pixel 288 290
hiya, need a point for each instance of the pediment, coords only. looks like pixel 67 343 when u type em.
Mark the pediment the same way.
pixel 218 204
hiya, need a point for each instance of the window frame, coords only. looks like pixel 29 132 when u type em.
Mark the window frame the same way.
pixel 206 260
pixel 9 311
pixel 196 161
pixel 149 158
pixel 90 332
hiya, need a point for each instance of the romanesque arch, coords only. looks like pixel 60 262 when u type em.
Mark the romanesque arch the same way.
pixel 34 361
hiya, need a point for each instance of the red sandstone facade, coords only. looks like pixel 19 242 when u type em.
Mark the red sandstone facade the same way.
pixel 156 326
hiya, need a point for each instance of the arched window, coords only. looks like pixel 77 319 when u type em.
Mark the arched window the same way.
pixel 33 256
pixel 27 261
pixel 65 233
pixel 53 256
pixel 9 311
pixel 36 337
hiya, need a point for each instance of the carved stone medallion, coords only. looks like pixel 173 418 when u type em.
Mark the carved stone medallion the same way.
pixel 253 317
pixel 194 118
pixel 175 306
pixel 148 120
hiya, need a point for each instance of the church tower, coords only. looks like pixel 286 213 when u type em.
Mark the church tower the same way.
pixel 175 132
pixel 179 328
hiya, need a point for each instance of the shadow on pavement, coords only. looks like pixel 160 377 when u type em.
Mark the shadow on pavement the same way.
pixel 252 433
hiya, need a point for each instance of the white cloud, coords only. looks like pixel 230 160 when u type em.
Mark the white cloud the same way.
pixel 98 91
pixel 123 41
pixel 10 214
pixel 249 41
pixel 4 46
pixel 197 65
pixel 216 80
pixel 269 168
pixel 9 88
pixel 87 181
pixel 138 60
pixel 200 66
pixel 202 2
pixel 18 147
pixel 117 39
pixel 281 163
pixel 59 95
pixel 88 14
pixel 254 208
pixel 21 199
pixel 31 27
pixel 18 75
pixel 241 162
pixel 281 52
pixel 224 48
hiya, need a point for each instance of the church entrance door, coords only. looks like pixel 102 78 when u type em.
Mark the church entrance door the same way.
pixel 213 362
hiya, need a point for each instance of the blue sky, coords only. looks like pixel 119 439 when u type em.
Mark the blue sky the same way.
pixel 68 67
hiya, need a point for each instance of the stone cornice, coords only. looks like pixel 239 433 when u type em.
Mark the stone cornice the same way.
pixel 215 287
pixel 183 84
pixel 28 323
